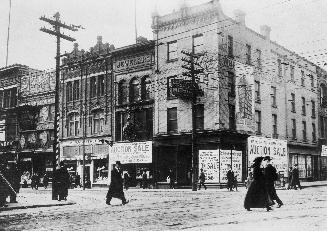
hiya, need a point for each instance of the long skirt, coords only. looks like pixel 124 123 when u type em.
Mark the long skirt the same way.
pixel 257 196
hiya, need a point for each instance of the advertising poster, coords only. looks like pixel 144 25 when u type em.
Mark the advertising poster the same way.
pixel 275 148
pixel 209 162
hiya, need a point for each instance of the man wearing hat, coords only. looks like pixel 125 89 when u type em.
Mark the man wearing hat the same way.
pixel 116 185
pixel 296 177
pixel 271 176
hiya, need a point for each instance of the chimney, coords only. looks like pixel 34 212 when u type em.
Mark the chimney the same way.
pixel 99 39
pixel 265 31
pixel 239 17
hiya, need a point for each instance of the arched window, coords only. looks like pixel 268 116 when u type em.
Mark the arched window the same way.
pixel 134 90
pixel 146 88
pixel 73 124
pixel 122 92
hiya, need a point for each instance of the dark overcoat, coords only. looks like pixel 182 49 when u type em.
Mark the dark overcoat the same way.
pixel 295 177
pixel 116 184
pixel 257 196
pixel 270 177
pixel 230 178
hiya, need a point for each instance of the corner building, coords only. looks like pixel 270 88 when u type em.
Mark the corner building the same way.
pixel 251 87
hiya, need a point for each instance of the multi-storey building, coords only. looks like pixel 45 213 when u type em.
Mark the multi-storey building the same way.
pixel 10 82
pixel 86 110
pixel 134 100
pixel 251 86
pixel 322 122
pixel 36 121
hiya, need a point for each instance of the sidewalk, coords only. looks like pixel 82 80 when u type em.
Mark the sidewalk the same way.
pixel 34 200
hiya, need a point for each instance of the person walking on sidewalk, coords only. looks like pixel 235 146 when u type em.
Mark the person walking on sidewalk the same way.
pixel 202 179
pixel 144 179
pixel 296 177
pixel 230 179
pixel 271 176
pixel 116 185
pixel 290 171
pixel 126 180
pixel 45 181
pixel 257 195
pixel 171 177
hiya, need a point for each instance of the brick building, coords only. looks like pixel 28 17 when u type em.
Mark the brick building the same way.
pixel 252 87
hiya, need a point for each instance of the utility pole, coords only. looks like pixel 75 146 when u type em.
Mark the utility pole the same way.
pixel 194 92
pixel 57 24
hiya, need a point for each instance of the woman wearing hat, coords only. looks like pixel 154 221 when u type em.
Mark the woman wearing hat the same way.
pixel 257 195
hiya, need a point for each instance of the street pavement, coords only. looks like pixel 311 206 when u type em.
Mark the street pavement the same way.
pixel 180 209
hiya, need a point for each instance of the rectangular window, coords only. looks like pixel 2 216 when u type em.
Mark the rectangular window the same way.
pixel 1 99
pixel 293 129
pixel 198 44
pixel 248 54
pixel 314 137
pixel 232 124
pixel 302 78
pixel 303 106
pixel 304 130
pixel 199 117
pixel 313 107
pixel 172 51
pixel 100 91
pixel 257 91
pixel 293 102
pixel 170 89
pixel 231 83
pixel 273 97
pixel 292 73
pixel 172 120
pixel 13 97
pixel 230 47
pixel 6 94
pixel 279 67
pixel 258 121
pixel 312 81
pixel 51 112
pixel 274 126
pixel 258 51
pixel 121 119
pixel 93 86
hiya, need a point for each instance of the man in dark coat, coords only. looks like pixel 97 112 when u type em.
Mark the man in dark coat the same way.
pixel 290 171
pixel 202 179
pixel 61 178
pixel 271 176
pixel 230 179
pixel 116 185
pixel 13 178
pixel 296 177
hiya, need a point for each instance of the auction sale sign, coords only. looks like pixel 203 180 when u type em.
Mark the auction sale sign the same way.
pixel 275 148
pixel 209 162
pixel 135 152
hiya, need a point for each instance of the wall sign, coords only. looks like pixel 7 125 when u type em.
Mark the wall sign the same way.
pixel 133 62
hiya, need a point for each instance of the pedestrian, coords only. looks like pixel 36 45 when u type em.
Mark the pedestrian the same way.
pixel 249 179
pixel 126 180
pixel 116 185
pixel 4 187
pixel 271 176
pixel 235 182
pixel 171 176
pixel 77 180
pixel 45 181
pixel 13 178
pixel 202 179
pixel 230 178
pixel 61 182
pixel 144 179
pixel 35 180
pixel 257 196
pixel 296 177
pixel 290 186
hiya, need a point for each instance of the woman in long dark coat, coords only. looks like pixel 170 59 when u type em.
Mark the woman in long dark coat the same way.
pixel 257 195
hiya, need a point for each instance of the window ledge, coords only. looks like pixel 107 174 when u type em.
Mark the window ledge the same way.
pixel 274 106
pixel 171 60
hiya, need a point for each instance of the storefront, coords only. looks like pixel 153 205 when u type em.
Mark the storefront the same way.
pixel 217 150
pixel 307 159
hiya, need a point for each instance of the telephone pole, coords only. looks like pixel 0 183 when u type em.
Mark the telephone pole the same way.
pixel 193 92
pixel 57 25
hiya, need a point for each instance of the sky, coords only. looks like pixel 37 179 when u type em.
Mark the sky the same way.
pixel 299 25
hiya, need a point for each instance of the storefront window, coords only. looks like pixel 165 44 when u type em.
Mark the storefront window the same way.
pixel 301 165
pixel 309 166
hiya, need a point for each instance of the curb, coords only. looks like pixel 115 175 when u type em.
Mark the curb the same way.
pixel 35 206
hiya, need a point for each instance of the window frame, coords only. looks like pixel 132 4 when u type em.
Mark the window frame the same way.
pixel 273 96
pixel 198 46
pixel 304 111
pixel 304 131
pixel 258 121
pixel 293 129
pixel 293 108
pixel 275 125
pixel 172 120
pixel 172 54
pixel 199 116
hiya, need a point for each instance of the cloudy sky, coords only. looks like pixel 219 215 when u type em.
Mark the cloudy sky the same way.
pixel 300 25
